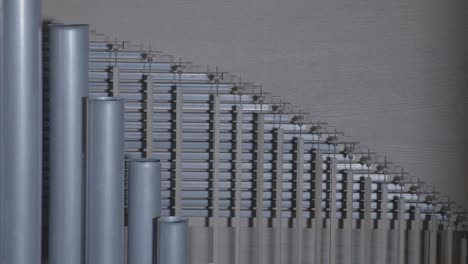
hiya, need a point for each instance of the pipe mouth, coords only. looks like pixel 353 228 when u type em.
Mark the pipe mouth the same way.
pixel 59 25
pixel 172 219
pixel 145 160
pixel 105 98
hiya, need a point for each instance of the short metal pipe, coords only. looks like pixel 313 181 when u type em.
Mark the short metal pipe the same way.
pixel 144 206
pixel 105 181
pixel 172 240
pixel 21 137
pixel 68 87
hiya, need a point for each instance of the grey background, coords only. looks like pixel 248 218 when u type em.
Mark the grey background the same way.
pixel 390 73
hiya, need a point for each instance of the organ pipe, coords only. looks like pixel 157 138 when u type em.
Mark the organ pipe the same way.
pixel 21 138
pixel 463 250
pixel 220 166
pixel 172 240
pixel 105 181
pixel 68 87
pixel 144 206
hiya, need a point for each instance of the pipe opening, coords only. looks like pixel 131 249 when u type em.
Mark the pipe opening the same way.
pixel 103 98
pixel 144 160
pixel 172 219
pixel 68 25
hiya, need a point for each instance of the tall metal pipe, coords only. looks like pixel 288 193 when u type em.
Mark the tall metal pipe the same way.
pixel 21 139
pixel 105 181
pixel 172 240
pixel 144 205
pixel 68 84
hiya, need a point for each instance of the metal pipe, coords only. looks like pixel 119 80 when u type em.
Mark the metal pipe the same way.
pixel 463 251
pixel 239 117
pixel 21 147
pixel 68 84
pixel 144 191
pixel 401 231
pixel 446 247
pixel 172 240
pixel 105 181
pixel 318 222
pixel 299 210
pixel 413 247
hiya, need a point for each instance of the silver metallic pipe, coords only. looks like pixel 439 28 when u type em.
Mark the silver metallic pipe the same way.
pixel 105 181
pixel 68 84
pixel 21 147
pixel 144 205
pixel 172 240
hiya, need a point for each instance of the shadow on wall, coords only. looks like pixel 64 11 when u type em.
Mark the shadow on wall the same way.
pixel 45 141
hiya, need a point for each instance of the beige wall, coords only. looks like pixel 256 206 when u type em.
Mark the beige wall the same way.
pixel 392 74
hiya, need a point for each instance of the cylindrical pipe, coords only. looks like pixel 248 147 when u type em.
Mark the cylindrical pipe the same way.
pixel 463 250
pixel 21 147
pixel 68 87
pixel 413 248
pixel 446 249
pixel 144 205
pixel 378 245
pixel 105 181
pixel 172 240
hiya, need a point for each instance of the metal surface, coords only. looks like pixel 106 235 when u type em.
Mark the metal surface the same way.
pixel 144 206
pixel 172 240
pixel 105 181
pixel 68 88
pixel 21 138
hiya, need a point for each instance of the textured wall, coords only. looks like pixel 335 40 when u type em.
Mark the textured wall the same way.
pixel 392 74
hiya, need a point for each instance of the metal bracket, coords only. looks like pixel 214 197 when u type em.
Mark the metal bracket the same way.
pixel 115 81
